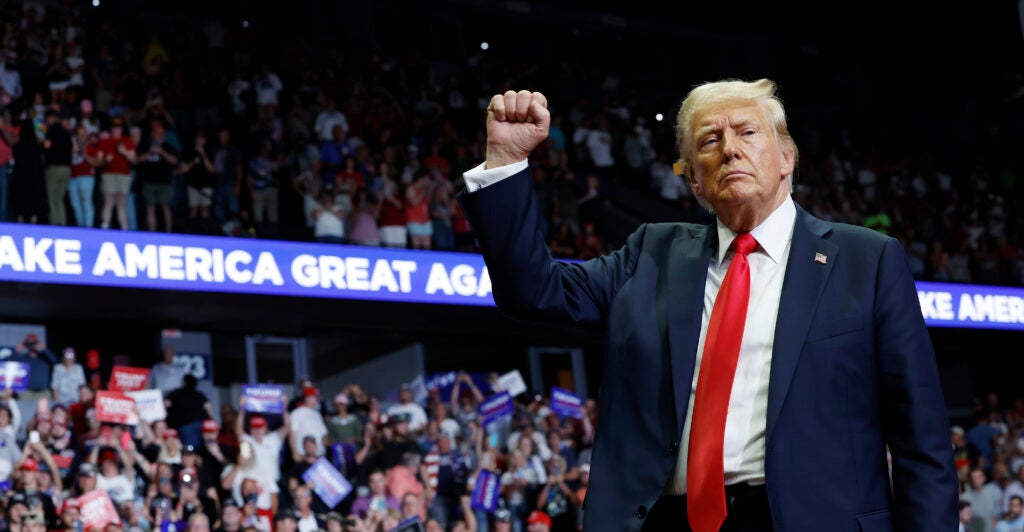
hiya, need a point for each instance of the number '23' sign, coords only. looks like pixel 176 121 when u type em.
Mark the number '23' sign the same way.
pixel 198 364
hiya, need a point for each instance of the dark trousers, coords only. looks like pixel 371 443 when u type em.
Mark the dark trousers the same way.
pixel 747 506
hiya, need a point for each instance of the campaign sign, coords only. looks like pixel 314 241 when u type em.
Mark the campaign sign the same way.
pixel 513 383
pixel 495 407
pixel 14 376
pixel 263 398
pixel 116 407
pixel 486 491
pixel 327 482
pixel 565 403
pixel 128 379
pixel 97 510
pixel 150 404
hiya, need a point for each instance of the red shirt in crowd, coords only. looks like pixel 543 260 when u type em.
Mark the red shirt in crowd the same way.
pixel 119 164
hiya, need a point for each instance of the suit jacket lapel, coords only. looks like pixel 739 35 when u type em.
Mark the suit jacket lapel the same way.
pixel 801 290
pixel 687 274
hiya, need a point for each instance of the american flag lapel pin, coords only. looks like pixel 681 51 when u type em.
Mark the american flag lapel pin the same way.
pixel 820 257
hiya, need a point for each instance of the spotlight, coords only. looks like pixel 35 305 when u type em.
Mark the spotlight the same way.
pixel 484 45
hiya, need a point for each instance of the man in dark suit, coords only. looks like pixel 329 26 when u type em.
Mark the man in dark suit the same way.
pixel 827 369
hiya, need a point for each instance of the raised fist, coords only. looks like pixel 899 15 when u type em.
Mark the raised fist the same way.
pixel 516 123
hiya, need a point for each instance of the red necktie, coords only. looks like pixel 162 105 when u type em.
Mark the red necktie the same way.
pixel 705 477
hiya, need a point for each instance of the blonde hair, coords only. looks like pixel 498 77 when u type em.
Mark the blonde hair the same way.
pixel 762 92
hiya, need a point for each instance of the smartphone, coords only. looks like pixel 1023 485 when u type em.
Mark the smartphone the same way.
pixel 33 437
pixel 79 525
pixel 126 440
pixel 245 450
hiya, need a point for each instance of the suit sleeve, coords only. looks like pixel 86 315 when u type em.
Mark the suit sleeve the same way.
pixel 527 282
pixel 914 417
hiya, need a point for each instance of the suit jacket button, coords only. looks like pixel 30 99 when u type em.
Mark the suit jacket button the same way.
pixel 641 512
pixel 673 447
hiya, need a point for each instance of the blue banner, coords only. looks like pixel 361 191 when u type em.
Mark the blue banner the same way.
pixel 565 403
pixel 14 376
pixel 495 407
pixel 263 398
pixel 344 458
pixel 444 382
pixel 971 306
pixel 486 491
pixel 72 255
pixel 137 259
pixel 327 482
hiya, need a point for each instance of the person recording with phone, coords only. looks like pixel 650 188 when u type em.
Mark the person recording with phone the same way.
pixel 40 360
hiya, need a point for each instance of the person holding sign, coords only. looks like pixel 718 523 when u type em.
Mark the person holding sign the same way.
pixel 767 357
pixel 264 443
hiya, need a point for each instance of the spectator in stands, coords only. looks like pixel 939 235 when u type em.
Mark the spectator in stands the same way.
pixel 264 444
pixel 227 163
pixel 983 496
pixel 343 427
pixel 538 521
pixel 230 516
pixel 406 405
pixel 364 216
pixel 306 519
pixel 329 220
pixel 200 178
pixel 40 359
pixel 85 159
pixel 157 160
pixel 261 180
pixel 166 375
pixel 57 147
pixel 1014 518
pixel 335 154
pixel 187 408
pixel 308 420
pixel 393 221
pixel 417 212
pixel 442 232
pixel 28 185
pixel 10 417
pixel 67 377
pixel 328 118
pixel 378 499
pixel 118 155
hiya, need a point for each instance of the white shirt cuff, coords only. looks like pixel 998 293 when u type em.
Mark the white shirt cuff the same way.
pixel 478 177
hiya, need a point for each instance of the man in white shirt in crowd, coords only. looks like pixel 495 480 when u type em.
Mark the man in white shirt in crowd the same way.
pixel 308 420
pixel 265 443
pixel 67 377
pixel 416 412
pixel 165 375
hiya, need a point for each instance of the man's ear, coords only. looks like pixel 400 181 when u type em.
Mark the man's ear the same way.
pixel 788 162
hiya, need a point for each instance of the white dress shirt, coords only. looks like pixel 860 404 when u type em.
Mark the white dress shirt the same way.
pixel 745 425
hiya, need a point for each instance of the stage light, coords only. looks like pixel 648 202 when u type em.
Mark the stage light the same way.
pixel 659 117
pixel 245 23
pixel 484 45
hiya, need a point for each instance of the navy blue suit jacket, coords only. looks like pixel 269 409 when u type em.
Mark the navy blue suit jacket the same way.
pixel 853 369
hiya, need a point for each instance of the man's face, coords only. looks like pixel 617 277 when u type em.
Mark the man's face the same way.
pixel 231 516
pixel 378 483
pixel 303 498
pixel 538 527
pixel 285 525
pixel 410 506
pixel 405 396
pixel 168 355
pixel 1016 507
pixel 502 526
pixel 738 163
pixel 966 514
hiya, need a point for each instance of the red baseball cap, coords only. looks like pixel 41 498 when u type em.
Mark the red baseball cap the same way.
pixel 170 433
pixel 210 425
pixel 310 391
pixel 258 422
pixel 538 516
pixel 29 464
pixel 70 503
